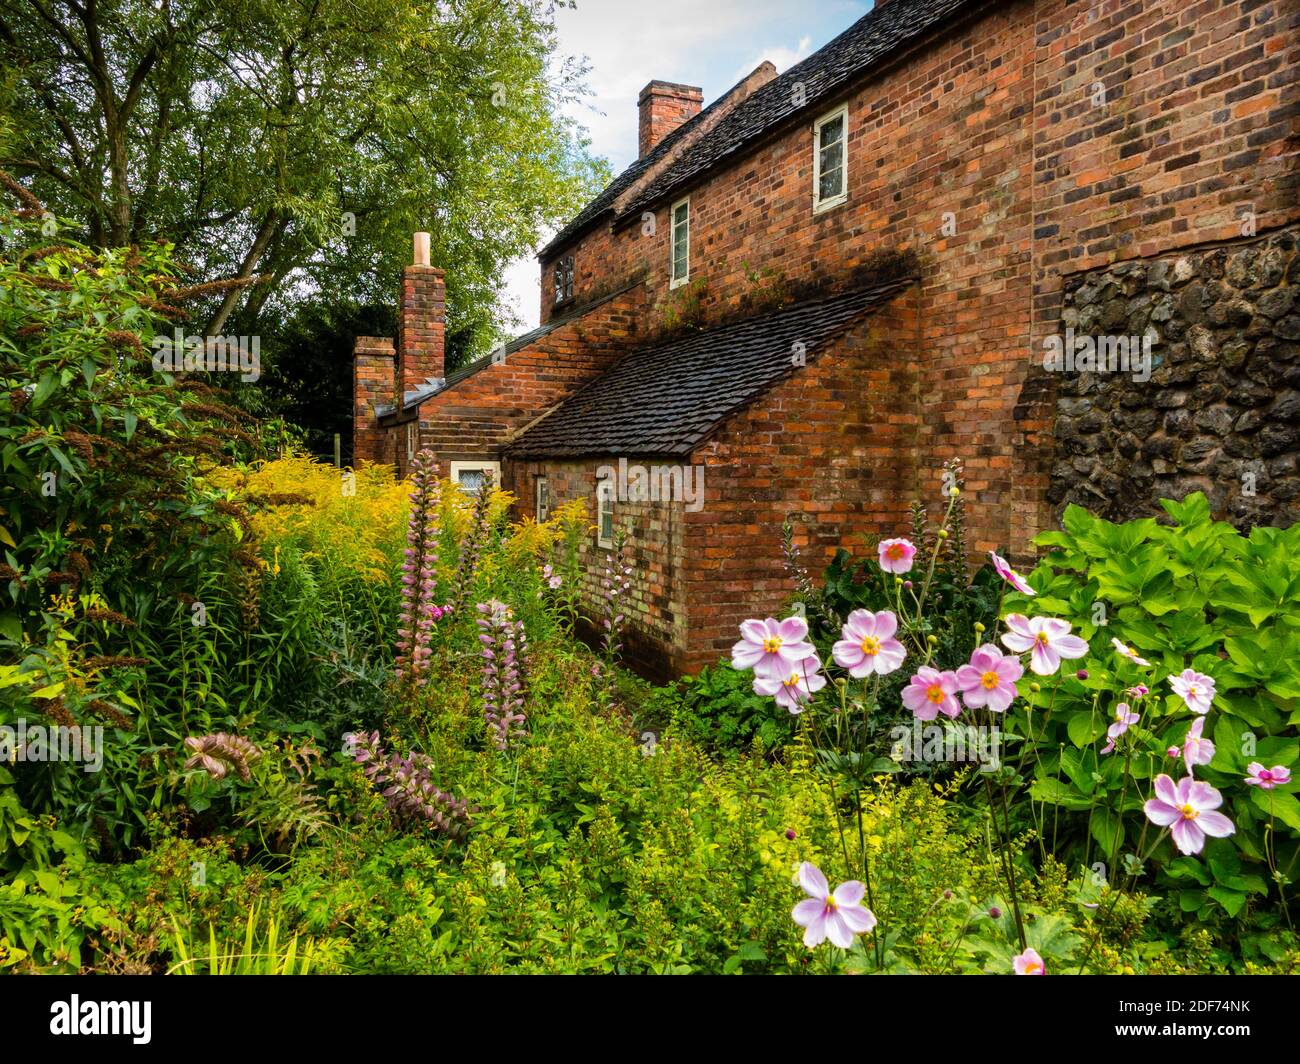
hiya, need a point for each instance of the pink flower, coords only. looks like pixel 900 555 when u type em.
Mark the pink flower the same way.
pixel 1174 751
pixel 796 687
pixel 1029 963
pixel 837 916
pixel 1197 751
pixel 930 693
pixel 868 645
pixel 1266 778
pixel 1188 810
pixel 1048 638
pixel 896 555
pixel 771 647
pixel 1123 718
pixel 1195 689
pixel 989 679
pixel 1010 575
pixel 1140 690
pixel 1128 652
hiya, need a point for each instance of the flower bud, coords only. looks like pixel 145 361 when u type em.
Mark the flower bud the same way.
pixel 995 912
pixel 943 533
pixel 789 833
pixel 907 584
pixel 979 627
pixel 932 639
pixel 1035 688
pixel 954 491
pixel 1082 674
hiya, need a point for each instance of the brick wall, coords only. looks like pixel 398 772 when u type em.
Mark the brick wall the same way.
pixel 985 150
pixel 474 417
pixel 374 383
pixel 656 635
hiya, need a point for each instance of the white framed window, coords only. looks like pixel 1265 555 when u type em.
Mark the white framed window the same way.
pixel 411 437
pixel 831 160
pixel 605 513
pixel 679 262
pixel 543 499
pixel 470 475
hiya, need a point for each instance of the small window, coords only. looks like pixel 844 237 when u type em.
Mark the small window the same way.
pixel 564 280
pixel 680 266
pixel 470 475
pixel 411 434
pixel 543 499
pixel 830 160
pixel 605 513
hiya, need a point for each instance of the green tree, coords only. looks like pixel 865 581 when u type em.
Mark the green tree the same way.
pixel 300 141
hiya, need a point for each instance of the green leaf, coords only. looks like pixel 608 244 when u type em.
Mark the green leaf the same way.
pixel 1233 901
pixel 1278 804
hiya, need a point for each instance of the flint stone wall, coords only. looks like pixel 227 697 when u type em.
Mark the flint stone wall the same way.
pixel 1221 411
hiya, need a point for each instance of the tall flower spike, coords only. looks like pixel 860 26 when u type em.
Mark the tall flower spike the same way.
pixel 504 645
pixel 475 540
pixel 419 571
pixel 407 788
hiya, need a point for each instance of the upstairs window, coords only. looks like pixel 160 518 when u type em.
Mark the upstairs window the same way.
pixel 680 262
pixel 564 280
pixel 830 160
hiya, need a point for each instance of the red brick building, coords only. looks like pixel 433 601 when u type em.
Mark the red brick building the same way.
pixel 826 283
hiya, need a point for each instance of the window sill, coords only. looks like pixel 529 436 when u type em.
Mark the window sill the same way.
pixel 830 204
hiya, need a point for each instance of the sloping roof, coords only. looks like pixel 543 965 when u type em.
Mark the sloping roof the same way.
pixel 416 396
pixel 827 71
pixel 664 399
pixel 824 74
pixel 603 204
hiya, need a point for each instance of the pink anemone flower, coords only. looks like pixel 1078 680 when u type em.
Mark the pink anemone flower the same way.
pixel 771 647
pixel 796 688
pixel 896 555
pixel 989 679
pixel 867 644
pixel 838 916
pixel 1194 688
pixel 931 692
pixel 1004 570
pixel 1029 963
pixel 1267 778
pixel 1188 810
pixel 1123 718
pixel 1197 751
pixel 1047 638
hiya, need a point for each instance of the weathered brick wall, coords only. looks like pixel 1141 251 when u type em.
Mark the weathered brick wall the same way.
pixel 833 447
pixel 655 548
pixel 1221 411
pixel 474 417
pixel 374 383
pixel 986 150
pixel 421 324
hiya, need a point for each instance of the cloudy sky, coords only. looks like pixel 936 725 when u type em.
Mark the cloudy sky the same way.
pixel 710 43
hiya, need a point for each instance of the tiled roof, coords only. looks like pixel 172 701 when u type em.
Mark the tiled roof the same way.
pixel 824 74
pixel 665 399
pixel 603 204
pixel 827 71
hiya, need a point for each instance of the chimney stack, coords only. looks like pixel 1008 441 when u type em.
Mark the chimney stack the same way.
pixel 664 106
pixel 421 321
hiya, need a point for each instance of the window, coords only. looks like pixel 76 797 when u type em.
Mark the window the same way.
pixel 410 439
pixel 605 513
pixel 680 263
pixel 470 475
pixel 543 499
pixel 564 280
pixel 830 142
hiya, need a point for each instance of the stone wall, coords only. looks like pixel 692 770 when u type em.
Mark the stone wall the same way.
pixel 1221 411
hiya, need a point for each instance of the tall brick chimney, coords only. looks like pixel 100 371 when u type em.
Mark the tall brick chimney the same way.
pixel 421 321
pixel 664 106
pixel 374 384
